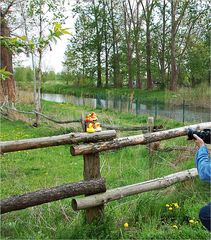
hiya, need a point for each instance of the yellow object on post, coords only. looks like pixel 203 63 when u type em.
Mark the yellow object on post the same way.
pixel 98 127
pixel 90 128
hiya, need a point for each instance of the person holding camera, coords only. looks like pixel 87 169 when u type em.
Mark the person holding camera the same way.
pixel 203 164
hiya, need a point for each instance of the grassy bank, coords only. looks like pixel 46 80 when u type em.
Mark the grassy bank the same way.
pixel 146 214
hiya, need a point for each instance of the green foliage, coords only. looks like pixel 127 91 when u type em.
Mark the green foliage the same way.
pixel 49 76
pixel 102 36
pixel 16 44
pixel 4 74
pixel 23 74
pixel 198 63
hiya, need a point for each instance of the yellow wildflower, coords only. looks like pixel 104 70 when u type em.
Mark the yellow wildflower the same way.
pixel 175 226
pixel 170 208
pixel 191 221
pixel 167 205
pixel 126 225
pixel 176 205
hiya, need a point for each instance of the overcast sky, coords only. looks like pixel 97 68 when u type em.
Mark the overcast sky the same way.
pixel 53 59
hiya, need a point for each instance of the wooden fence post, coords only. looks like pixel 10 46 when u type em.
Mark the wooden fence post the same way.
pixel 92 171
pixel 150 124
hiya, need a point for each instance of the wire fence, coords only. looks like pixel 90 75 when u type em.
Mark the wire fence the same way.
pixel 181 112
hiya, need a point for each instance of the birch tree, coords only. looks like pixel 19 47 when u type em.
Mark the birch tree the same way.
pixel 42 26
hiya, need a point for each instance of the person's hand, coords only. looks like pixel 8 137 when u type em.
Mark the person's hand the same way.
pixel 198 141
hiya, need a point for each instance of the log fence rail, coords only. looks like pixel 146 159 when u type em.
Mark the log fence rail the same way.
pixel 93 186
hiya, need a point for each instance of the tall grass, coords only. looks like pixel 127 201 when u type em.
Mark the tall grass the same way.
pixel 200 96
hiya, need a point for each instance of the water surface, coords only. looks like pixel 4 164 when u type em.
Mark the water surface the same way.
pixel 136 106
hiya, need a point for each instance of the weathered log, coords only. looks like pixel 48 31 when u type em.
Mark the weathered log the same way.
pixel 16 110
pixel 57 121
pixel 44 116
pixel 118 193
pixel 52 194
pixel 135 140
pixel 70 138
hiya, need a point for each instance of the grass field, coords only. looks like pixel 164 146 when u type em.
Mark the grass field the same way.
pixel 146 213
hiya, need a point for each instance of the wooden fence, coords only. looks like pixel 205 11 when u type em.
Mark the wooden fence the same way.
pixel 93 186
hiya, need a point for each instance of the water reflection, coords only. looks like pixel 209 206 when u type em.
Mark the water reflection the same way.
pixel 137 106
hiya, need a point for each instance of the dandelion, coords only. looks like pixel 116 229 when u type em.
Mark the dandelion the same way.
pixel 170 208
pixel 191 221
pixel 175 226
pixel 126 225
pixel 176 205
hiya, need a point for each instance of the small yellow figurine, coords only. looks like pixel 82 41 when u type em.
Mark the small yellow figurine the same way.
pixel 98 127
pixel 91 124
pixel 90 128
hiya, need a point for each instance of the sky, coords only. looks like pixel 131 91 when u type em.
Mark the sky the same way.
pixel 52 60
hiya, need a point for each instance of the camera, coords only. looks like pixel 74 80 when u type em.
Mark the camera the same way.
pixel 205 135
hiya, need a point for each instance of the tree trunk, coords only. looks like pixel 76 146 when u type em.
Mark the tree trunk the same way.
pixel 173 83
pixel 147 10
pixel 136 26
pixel 116 67
pixel 105 32
pixel 127 30
pixel 8 87
pixel 163 74
pixel 99 47
pixel 138 66
pixel 106 58
pixel 99 68
pixel 129 60
pixel 148 52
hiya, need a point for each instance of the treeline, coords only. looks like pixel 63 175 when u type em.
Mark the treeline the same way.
pixel 25 74
pixel 139 43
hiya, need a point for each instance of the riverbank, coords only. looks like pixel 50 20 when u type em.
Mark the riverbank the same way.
pixel 146 214
pixel 198 97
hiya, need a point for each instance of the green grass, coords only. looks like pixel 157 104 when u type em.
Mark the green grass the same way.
pixel 31 170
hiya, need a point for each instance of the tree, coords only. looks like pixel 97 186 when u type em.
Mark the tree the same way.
pixel 115 45
pixel 147 10
pixel 129 42
pixel 98 40
pixel 136 21
pixel 120 41
pixel 39 15
pixel 175 23
pixel 8 86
